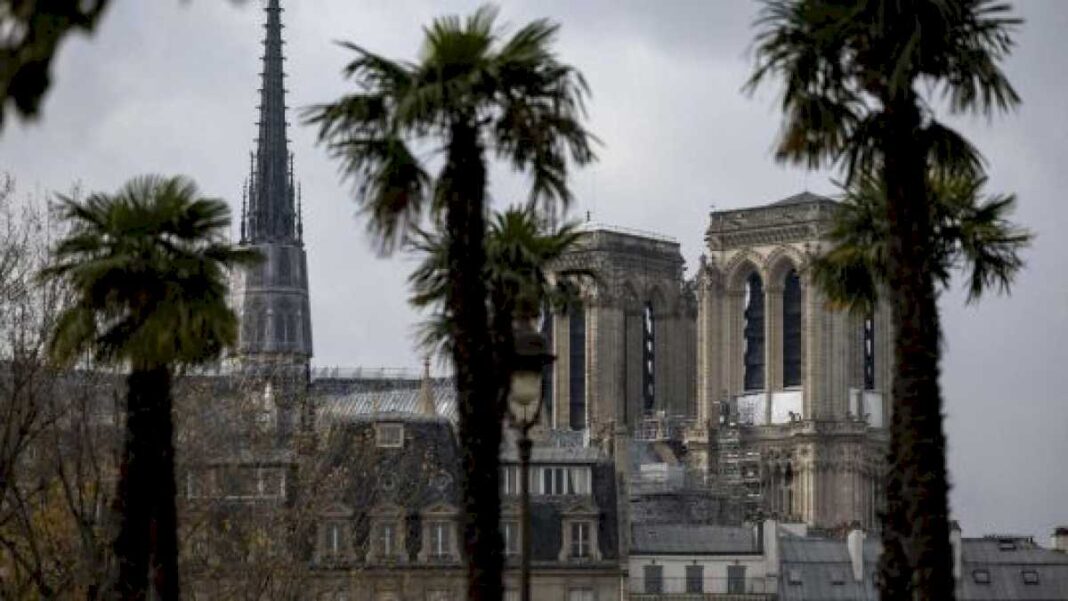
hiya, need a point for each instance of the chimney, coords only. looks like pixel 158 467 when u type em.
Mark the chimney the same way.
pixel 770 546
pixel 958 553
pixel 855 545
pixel 1059 540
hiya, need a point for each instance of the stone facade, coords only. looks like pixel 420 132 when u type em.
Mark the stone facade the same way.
pixel 821 437
pixel 638 317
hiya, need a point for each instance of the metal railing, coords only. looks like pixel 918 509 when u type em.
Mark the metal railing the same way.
pixel 702 588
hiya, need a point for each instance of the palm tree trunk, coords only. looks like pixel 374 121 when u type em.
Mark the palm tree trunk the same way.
pixel 917 558
pixel 134 497
pixel 165 517
pixel 463 184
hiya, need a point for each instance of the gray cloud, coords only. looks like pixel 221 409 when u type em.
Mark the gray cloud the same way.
pixel 171 87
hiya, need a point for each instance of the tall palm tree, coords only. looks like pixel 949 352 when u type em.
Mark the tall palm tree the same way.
pixel 147 269
pixel 472 93
pixel 858 79
pixel 971 231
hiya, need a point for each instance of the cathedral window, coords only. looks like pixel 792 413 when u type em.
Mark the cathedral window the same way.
pixel 869 352
pixel 546 328
pixel 791 330
pixel 754 333
pixel 577 362
pixel 648 360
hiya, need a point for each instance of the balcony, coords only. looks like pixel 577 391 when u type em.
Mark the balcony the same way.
pixel 702 589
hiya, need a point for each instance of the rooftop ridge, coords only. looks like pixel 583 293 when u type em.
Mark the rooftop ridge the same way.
pixel 594 226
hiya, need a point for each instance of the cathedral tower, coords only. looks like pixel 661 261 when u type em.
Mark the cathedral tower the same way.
pixel 625 352
pixel 272 297
pixel 795 393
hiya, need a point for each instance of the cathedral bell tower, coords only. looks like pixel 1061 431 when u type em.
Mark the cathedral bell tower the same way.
pixel 272 296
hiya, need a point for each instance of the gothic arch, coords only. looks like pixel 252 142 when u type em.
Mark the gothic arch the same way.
pixel 780 262
pixel 629 297
pixel 740 267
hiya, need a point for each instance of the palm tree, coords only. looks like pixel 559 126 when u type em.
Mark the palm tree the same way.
pixel 472 93
pixel 971 233
pixel 147 271
pixel 520 247
pixel 858 77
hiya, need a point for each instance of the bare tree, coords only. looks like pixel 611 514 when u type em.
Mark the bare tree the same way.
pixel 57 428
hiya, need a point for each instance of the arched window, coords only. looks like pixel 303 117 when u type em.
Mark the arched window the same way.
pixel 869 352
pixel 788 491
pixel 754 333
pixel 791 330
pixel 546 327
pixel 280 336
pixel 648 360
pixel 577 362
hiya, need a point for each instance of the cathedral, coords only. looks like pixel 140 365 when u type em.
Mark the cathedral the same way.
pixel 760 390
pixel 769 390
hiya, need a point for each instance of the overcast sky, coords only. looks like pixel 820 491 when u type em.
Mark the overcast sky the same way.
pixel 170 87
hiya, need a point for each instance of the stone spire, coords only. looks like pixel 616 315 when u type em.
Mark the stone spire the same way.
pixel 271 215
pixel 275 339
pixel 426 405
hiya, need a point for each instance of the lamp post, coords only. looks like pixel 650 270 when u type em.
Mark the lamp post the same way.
pixel 529 359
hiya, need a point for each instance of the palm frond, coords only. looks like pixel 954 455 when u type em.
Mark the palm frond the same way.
pixel 148 269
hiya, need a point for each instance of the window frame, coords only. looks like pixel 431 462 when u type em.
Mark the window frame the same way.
pixel 383 441
pixel 695 578
pixel 580 540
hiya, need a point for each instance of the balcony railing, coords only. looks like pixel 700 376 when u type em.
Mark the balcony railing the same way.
pixel 705 588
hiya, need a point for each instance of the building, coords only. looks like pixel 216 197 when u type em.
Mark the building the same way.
pixel 680 561
pixel 991 567
pixel 389 527
pixel 775 397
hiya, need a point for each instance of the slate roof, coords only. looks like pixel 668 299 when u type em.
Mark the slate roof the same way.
pixel 400 400
pixel 824 571
pixel 1006 565
pixel 671 539
pixel 818 563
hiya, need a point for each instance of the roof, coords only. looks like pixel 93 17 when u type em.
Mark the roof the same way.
pixel 403 400
pixel 1005 560
pixel 811 567
pixel 815 568
pixel 802 198
pixel 671 539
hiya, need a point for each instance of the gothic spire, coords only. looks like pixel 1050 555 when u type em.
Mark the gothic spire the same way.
pixel 271 211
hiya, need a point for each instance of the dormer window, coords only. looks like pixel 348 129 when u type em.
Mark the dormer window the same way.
pixel 333 540
pixel 387 536
pixel 439 534
pixel 389 435
pixel 440 539
pixel 335 534
pixel 580 540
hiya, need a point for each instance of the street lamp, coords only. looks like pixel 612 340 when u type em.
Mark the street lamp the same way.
pixel 530 358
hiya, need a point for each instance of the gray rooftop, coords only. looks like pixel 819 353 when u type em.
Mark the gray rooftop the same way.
pixel 395 400
pixel 802 198
pixel 991 569
pixel 681 539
